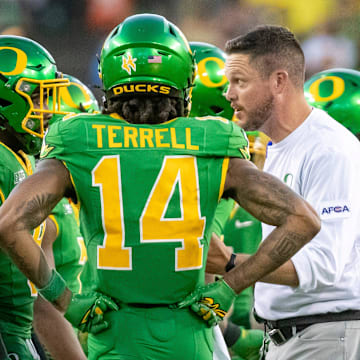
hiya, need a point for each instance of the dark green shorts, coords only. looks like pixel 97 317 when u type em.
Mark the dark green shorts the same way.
pixel 156 333
pixel 19 348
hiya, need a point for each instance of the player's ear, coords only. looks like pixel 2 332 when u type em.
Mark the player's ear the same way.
pixel 279 80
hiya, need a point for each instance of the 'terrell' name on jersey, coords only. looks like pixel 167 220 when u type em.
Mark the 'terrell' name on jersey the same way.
pixel 136 137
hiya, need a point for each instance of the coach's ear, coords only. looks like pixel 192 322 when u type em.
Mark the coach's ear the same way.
pixel 279 80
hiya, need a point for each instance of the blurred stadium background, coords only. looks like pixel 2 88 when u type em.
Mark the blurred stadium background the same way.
pixel 74 30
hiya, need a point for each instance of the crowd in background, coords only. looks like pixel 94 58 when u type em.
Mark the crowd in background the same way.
pixel 74 31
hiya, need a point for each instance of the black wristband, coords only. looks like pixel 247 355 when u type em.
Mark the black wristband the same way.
pixel 231 263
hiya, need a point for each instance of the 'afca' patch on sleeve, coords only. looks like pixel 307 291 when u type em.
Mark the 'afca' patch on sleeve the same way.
pixel 335 210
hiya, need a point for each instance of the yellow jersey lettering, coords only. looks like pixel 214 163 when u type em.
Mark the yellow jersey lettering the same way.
pixel 159 137
pixel 174 143
pixel 139 137
pixel 146 136
pixel 99 134
pixel 112 135
pixel 130 134
pixel 190 146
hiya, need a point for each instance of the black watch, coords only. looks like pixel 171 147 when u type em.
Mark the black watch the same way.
pixel 231 263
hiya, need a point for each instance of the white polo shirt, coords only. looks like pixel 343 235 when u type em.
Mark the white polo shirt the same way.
pixel 320 160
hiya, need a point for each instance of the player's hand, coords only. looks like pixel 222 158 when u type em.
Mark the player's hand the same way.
pixel 211 302
pixel 86 311
pixel 218 256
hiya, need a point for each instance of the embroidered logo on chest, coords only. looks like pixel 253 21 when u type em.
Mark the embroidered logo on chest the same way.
pixel 19 176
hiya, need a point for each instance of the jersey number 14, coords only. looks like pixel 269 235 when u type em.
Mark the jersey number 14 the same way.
pixel 154 227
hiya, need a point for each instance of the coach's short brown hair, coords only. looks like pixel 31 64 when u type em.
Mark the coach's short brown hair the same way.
pixel 271 47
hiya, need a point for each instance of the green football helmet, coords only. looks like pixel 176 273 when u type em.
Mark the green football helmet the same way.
pixel 27 69
pixel 76 98
pixel 208 95
pixel 337 91
pixel 147 54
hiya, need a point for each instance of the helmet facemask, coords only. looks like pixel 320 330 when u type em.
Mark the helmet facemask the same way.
pixel 28 76
pixel 35 121
pixel 75 98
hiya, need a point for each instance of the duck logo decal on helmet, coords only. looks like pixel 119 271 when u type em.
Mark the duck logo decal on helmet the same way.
pixel 128 63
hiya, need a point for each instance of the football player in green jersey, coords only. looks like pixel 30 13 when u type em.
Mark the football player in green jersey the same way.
pixel 208 98
pixel 337 92
pixel 27 75
pixel 148 180
pixel 65 249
